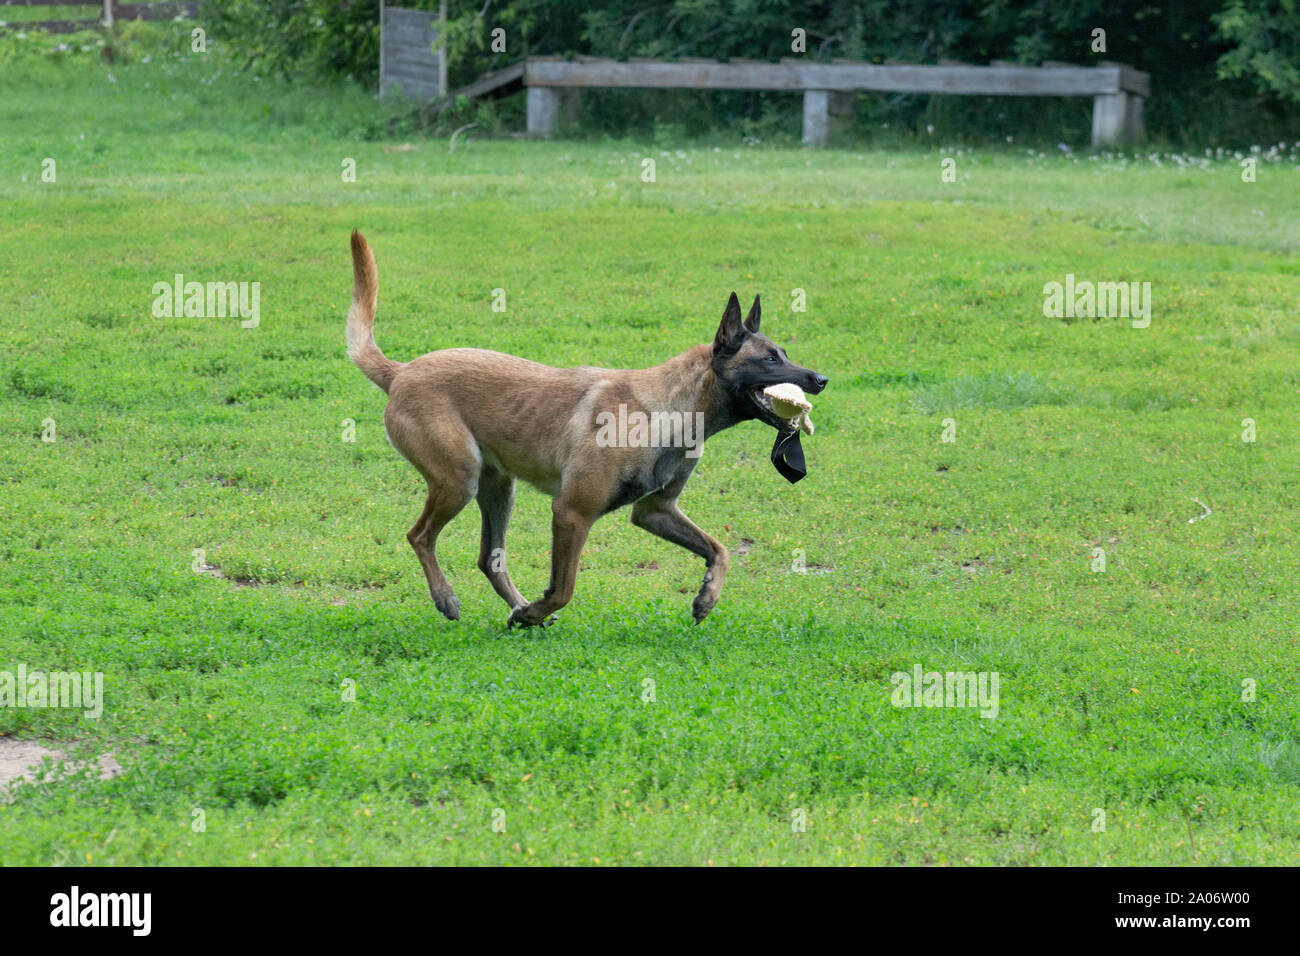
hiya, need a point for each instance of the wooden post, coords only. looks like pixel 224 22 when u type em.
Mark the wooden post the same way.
pixel 824 112
pixel 110 9
pixel 1116 119
pixel 543 110
pixel 1133 118
pixel 442 52
pixel 816 117
pixel 548 106
pixel 570 100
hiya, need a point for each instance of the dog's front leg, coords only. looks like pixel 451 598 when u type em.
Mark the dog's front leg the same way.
pixel 662 518
pixel 569 529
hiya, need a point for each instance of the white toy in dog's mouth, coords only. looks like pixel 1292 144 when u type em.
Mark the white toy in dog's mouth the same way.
pixel 788 402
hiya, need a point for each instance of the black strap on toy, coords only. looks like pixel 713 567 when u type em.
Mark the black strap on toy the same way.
pixel 787 456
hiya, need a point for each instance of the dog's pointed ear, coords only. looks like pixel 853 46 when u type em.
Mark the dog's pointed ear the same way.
pixel 731 329
pixel 755 316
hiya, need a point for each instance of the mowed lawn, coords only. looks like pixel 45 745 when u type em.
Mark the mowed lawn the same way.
pixel 1158 695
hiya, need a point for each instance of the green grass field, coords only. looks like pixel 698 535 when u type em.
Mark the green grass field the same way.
pixel 1120 690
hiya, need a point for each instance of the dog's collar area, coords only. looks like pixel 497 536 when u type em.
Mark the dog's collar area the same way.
pixel 787 456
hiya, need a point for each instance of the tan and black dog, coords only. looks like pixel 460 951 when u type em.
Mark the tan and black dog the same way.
pixel 472 421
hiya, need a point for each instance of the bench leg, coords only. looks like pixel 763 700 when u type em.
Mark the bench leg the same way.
pixel 816 117
pixel 543 110
pixel 1116 119
pixel 549 106
pixel 825 111
pixel 1133 119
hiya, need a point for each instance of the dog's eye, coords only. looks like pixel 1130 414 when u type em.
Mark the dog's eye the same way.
pixel 771 356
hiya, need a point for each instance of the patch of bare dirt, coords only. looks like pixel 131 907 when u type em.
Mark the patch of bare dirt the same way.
pixel 21 760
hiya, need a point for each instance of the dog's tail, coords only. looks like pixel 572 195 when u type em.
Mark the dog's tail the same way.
pixel 362 349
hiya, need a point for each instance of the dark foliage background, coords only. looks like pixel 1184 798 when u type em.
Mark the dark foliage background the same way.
pixel 1224 72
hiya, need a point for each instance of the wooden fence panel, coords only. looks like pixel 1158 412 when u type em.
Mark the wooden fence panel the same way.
pixel 406 56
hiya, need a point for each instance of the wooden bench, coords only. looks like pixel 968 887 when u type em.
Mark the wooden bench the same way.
pixel 829 89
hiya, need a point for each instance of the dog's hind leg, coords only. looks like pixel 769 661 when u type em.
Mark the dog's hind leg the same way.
pixel 661 517
pixel 496 499
pixel 442 505
pixel 445 453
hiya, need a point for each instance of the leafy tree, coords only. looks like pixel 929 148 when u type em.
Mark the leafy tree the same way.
pixel 1267 45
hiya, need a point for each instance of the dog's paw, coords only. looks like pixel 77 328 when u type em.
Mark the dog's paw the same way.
pixel 526 616
pixel 449 606
pixel 702 605
pixel 710 590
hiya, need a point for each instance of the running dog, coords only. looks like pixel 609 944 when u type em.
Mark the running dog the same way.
pixel 472 421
